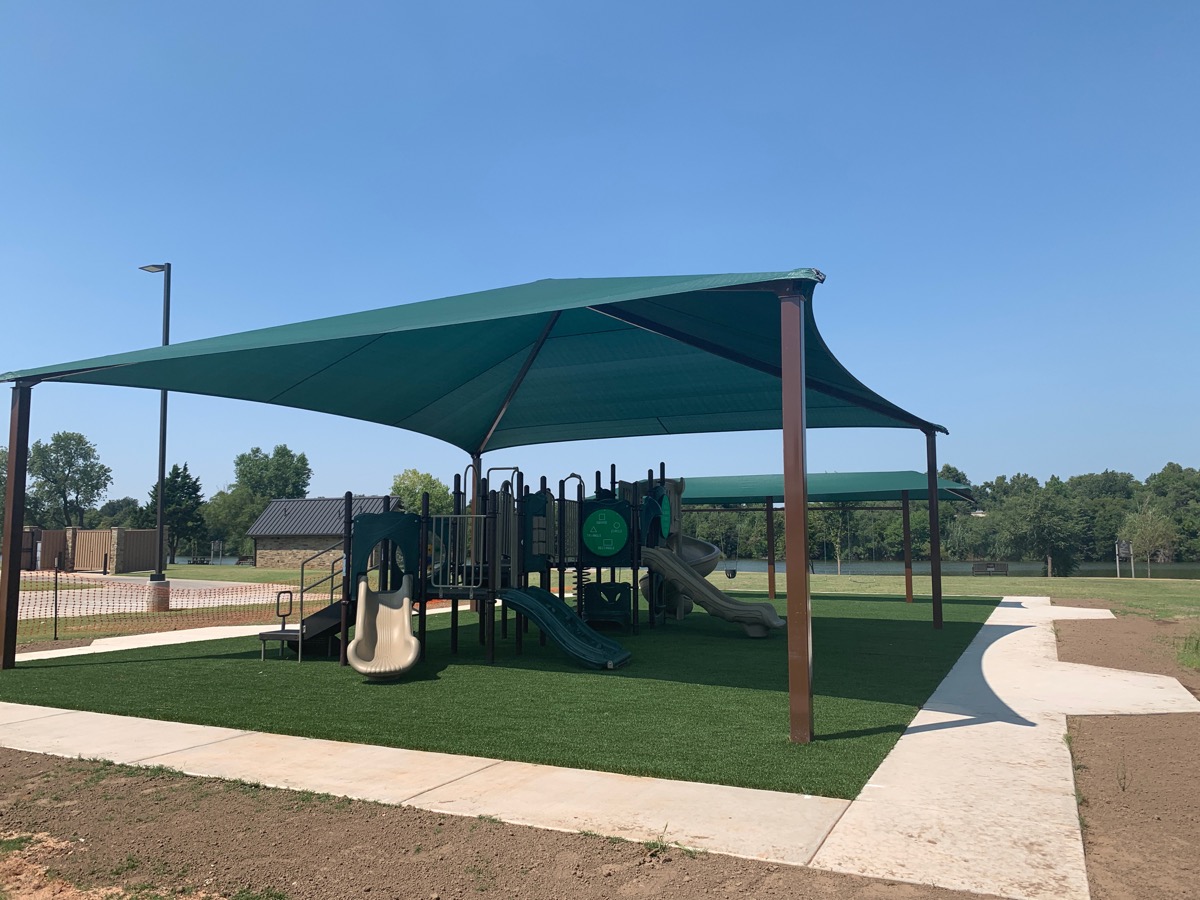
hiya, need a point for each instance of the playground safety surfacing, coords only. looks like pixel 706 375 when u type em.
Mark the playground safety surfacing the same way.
pixel 977 795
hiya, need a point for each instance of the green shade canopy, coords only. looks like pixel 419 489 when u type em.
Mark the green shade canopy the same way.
pixel 554 360
pixel 823 487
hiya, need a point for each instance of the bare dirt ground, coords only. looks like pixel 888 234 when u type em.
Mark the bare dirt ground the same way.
pixel 1136 776
pixel 72 829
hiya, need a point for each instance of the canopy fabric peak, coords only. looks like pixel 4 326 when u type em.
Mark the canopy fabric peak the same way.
pixel 553 360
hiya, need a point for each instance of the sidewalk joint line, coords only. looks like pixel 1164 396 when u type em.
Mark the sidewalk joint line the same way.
pixel 141 761
pixel 438 787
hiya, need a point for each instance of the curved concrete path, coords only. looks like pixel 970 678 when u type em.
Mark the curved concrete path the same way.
pixel 978 793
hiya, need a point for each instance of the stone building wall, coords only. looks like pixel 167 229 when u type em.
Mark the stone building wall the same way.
pixel 290 552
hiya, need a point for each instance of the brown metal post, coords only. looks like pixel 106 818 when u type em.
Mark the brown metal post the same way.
pixel 795 501
pixel 771 548
pixel 348 588
pixel 935 536
pixel 908 590
pixel 14 521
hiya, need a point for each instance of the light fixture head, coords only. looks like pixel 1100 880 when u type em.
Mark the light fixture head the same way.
pixel 154 269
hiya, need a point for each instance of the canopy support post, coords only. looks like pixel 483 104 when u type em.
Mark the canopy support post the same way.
pixel 935 536
pixel 792 299
pixel 771 548
pixel 908 588
pixel 14 521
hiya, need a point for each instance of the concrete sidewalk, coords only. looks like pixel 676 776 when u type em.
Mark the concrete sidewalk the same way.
pixel 978 794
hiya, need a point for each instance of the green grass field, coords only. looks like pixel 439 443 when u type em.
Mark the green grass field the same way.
pixel 1158 598
pixel 699 702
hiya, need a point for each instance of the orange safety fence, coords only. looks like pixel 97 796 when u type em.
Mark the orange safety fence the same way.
pixel 72 606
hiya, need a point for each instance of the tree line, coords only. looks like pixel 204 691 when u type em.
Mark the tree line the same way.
pixel 67 482
pixel 1060 523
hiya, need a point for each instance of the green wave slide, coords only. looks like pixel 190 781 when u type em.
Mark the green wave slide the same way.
pixel 559 621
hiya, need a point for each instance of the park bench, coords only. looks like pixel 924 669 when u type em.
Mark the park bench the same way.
pixel 245 561
pixel 989 568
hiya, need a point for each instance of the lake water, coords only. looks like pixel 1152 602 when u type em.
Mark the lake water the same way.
pixel 1020 569
pixel 221 561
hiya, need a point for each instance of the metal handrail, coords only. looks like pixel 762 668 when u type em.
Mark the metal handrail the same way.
pixel 304 589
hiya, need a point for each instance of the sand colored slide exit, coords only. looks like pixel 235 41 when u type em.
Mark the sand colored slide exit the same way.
pixel 757 619
pixel 384 644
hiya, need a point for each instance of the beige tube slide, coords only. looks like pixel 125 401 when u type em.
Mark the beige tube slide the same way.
pixel 384 645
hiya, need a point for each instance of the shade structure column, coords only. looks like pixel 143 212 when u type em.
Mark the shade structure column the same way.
pixel 935 535
pixel 792 301
pixel 14 521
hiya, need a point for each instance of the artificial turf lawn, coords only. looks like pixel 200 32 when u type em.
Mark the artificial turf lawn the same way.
pixel 698 702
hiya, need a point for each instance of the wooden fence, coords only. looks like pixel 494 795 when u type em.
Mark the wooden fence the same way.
pixel 91 550
pixel 140 550
pixel 108 550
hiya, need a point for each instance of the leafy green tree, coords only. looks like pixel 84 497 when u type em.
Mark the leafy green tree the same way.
pixel 1104 499
pixel 281 475
pixel 410 484
pixel 122 513
pixel 183 500
pixel 993 494
pixel 228 514
pixel 972 537
pixel 1176 492
pixel 827 525
pixel 259 478
pixel 1041 524
pixel 1149 531
pixel 67 478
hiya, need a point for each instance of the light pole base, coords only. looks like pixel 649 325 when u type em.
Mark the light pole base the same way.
pixel 160 597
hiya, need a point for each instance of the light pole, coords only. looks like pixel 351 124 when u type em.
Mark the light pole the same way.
pixel 160 524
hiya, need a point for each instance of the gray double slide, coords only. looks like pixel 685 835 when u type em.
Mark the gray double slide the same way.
pixel 757 619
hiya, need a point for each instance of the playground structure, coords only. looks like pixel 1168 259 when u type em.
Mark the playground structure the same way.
pixel 522 552
pixel 714 352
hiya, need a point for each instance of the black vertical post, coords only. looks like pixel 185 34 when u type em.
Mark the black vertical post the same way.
pixel 422 579
pixel 492 542
pixel 347 587
pixel 906 523
pixel 651 579
pixel 635 555
pixel 561 515
pixel 517 574
pixel 579 578
pixel 458 567
pixel 599 569
pixel 14 521
pixel 935 536
pixel 57 565
pixel 385 555
pixel 612 484
pixel 160 515
pixel 771 548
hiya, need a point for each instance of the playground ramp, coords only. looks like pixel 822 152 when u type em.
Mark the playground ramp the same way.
pixel 561 624
pixel 384 644
pixel 756 619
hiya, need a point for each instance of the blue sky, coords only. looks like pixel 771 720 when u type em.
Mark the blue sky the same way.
pixel 1004 198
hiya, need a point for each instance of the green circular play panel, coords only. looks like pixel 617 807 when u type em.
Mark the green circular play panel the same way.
pixel 605 532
